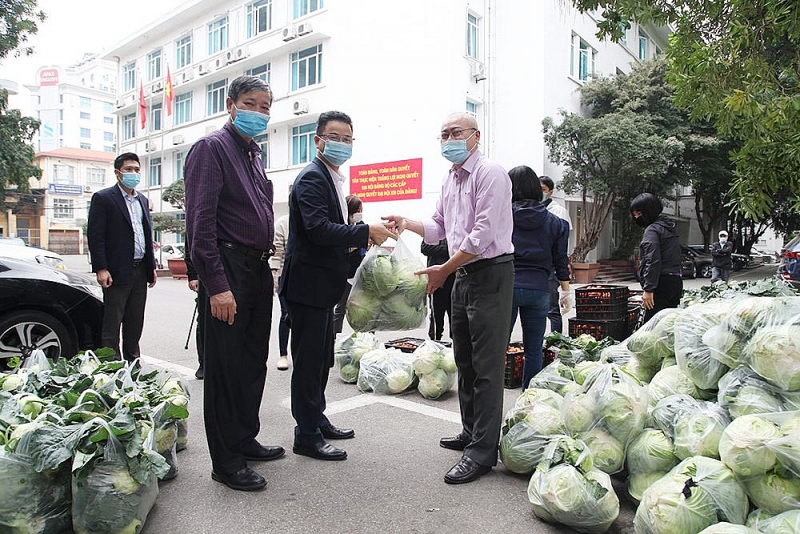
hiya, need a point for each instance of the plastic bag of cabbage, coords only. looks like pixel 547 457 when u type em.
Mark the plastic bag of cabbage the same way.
pixel 695 494
pixel 764 452
pixel 348 351
pixel 557 376
pixel 783 523
pixel 386 293
pixel 567 489
pixel 653 342
pixel 606 413
pixel 533 422
pixel 386 371
pixel 695 427
pixel 649 457
pixel 435 366
pixel 743 392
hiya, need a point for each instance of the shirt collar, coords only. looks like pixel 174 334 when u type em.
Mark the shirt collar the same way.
pixel 468 166
pixel 251 147
pixel 335 174
pixel 125 193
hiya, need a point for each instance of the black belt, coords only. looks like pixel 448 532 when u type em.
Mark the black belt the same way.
pixel 261 255
pixel 137 263
pixel 470 268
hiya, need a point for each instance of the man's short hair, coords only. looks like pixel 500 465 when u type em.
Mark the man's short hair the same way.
pixel 122 158
pixel 548 182
pixel 329 116
pixel 248 84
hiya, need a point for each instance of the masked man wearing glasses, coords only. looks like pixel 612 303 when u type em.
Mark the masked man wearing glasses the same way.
pixel 474 214
pixel 315 272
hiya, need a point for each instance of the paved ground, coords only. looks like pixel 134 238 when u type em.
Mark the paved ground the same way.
pixel 391 481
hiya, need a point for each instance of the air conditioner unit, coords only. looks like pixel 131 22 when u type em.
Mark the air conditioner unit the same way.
pixel 157 87
pixel 219 62
pixel 300 106
pixel 150 146
pixel 203 69
pixel 478 71
pixel 133 98
pixel 288 33
pixel 87 189
pixel 177 139
pixel 236 54
pixel 185 76
pixel 120 103
pixel 304 28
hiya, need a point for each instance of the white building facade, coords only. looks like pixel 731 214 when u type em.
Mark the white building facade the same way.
pixel 396 68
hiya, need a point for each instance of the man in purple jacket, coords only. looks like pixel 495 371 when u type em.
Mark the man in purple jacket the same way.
pixel 230 228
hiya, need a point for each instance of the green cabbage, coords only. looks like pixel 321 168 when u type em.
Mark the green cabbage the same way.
pixel 608 452
pixel 697 433
pixel 743 446
pixel 743 392
pixel 774 353
pixel 398 380
pixel 583 370
pixel 384 276
pixel 349 373
pixel 783 523
pixel 650 452
pixel 522 447
pixel 434 384
pixel 623 409
pixel 671 381
pixel 578 413
pixel 639 482
pixel 427 358
pixel 728 528
pixel 533 396
pixel 13 381
pixel 362 309
pixel 449 361
pixel 773 493
pixel 123 482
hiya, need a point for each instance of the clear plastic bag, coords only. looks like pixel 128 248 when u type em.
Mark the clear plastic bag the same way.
pixel 694 426
pixel 655 340
pixel 386 371
pixel 743 392
pixel 435 366
pixel 557 377
pixel 783 523
pixel 649 456
pixel 183 435
pixel 694 356
pixel 348 350
pixel 533 422
pixel 386 293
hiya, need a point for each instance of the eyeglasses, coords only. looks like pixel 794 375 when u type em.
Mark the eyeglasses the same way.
pixel 336 138
pixel 456 133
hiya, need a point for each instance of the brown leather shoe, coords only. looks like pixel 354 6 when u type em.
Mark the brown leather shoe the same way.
pixel 466 470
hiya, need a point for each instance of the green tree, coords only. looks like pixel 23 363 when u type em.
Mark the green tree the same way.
pixel 18 20
pixel 736 63
pixel 169 222
pixel 175 194
pixel 16 153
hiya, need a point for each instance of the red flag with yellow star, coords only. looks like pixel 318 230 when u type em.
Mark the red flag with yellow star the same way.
pixel 168 93
pixel 142 105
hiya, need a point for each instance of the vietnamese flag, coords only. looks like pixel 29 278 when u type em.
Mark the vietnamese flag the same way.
pixel 142 105
pixel 168 93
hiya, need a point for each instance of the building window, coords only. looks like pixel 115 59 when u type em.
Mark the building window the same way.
pixel 154 65
pixel 86 102
pixel 259 17
pixel 472 108
pixel 96 178
pixel 129 76
pixel 108 120
pixel 582 59
pixel 86 146
pixel 263 143
pixel 183 52
pixel 155 117
pixel 303 143
pixel 218 36
pixel 86 133
pixel 109 148
pixel 108 136
pixel 215 97
pixel 154 175
pixel 183 108
pixel 304 7
pixel 108 107
pixel 262 72
pixel 644 45
pixel 63 174
pixel 307 67
pixel 63 208
pixel 472 35
pixel 129 126
pixel 86 115
pixel 180 158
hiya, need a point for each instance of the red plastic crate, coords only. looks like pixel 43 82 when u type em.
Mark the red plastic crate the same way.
pixel 515 361
pixel 598 329
pixel 405 344
pixel 600 294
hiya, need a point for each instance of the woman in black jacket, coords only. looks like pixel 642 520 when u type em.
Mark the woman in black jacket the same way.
pixel 659 256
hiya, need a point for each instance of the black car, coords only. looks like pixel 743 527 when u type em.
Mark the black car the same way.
pixel 53 310
pixel 702 260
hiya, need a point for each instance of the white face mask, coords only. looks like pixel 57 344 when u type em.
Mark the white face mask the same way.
pixel 357 218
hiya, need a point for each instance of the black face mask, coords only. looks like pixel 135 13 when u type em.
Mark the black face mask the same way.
pixel 640 221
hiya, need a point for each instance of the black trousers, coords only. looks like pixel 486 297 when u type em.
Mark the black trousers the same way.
pixel 481 315
pixel 554 312
pixel 200 331
pixel 124 305
pixel 666 295
pixel 312 356
pixel 340 310
pixel 236 362
pixel 440 304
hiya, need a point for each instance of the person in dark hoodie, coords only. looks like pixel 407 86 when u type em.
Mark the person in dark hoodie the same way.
pixel 659 256
pixel 540 247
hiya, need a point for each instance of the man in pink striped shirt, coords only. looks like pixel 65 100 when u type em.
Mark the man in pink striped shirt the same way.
pixel 474 214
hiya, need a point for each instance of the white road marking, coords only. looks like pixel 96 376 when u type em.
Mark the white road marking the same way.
pixel 180 369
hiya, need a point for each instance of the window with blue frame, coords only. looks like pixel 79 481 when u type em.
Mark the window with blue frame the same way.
pixel 303 148
pixel 215 96
pixel 472 35
pixel 259 17
pixel 304 7
pixel 307 67
pixel 218 36
pixel 183 52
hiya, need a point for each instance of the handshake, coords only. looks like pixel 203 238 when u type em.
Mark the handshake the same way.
pixel 565 301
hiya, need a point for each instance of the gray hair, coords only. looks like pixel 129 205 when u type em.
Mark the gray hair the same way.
pixel 248 84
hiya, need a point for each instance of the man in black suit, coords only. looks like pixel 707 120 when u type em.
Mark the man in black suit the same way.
pixel 441 298
pixel 121 244
pixel 314 276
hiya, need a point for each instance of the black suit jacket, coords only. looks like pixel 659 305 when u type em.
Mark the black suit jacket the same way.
pixel 110 235
pixel 315 268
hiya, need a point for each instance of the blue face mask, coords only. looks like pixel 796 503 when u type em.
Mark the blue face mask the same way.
pixel 250 123
pixel 337 152
pixel 723 240
pixel 131 179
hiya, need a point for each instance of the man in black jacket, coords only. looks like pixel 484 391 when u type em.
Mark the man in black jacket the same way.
pixel 721 262
pixel 440 299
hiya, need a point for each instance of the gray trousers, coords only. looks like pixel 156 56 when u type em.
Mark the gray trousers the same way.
pixel 124 305
pixel 481 313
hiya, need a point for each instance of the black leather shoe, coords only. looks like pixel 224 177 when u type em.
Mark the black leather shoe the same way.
pixel 244 479
pixel 200 373
pixel 262 453
pixel 466 470
pixel 333 432
pixel 321 451
pixel 456 443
